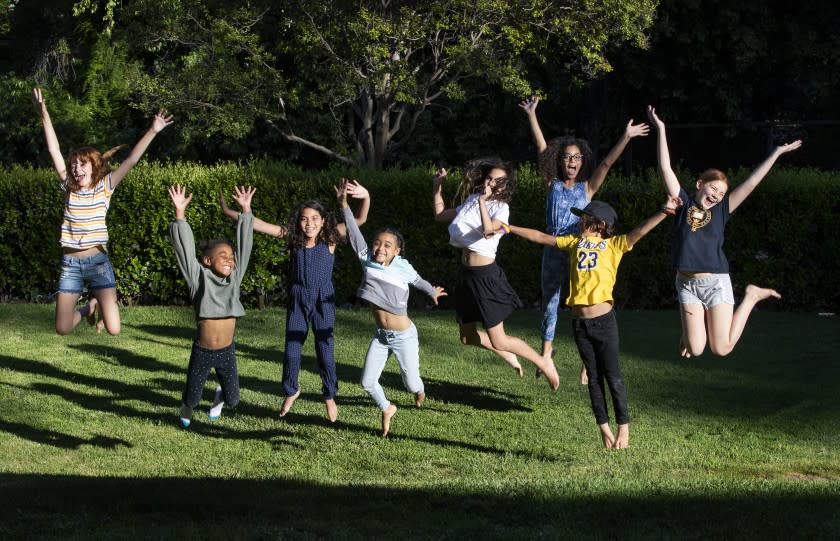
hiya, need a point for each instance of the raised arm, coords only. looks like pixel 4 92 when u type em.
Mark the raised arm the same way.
pixel 161 120
pixel 49 134
pixel 600 173
pixel 530 234
pixel 740 194
pixel 668 209
pixel 182 238
pixel 260 226
pixel 529 105
pixel 244 229
pixel 663 157
pixel 442 214
pixel 356 191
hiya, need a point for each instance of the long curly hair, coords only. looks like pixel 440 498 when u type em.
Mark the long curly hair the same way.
pixel 328 234
pixel 551 159
pixel 98 163
pixel 475 171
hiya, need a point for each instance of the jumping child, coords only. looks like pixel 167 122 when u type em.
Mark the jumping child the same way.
pixel 214 282
pixel 596 253
pixel 84 232
pixel 566 167
pixel 483 293
pixel 311 235
pixel 385 286
pixel 704 289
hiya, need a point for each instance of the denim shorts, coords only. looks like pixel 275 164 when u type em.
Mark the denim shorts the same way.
pixel 95 272
pixel 709 290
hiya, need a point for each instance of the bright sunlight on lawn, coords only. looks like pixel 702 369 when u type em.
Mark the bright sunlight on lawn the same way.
pixel 740 447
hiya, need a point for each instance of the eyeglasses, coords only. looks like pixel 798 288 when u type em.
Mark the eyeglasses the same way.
pixel 569 157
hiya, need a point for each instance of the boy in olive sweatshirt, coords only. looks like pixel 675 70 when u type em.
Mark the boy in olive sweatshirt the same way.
pixel 214 282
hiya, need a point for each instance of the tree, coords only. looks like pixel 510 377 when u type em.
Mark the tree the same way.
pixel 378 66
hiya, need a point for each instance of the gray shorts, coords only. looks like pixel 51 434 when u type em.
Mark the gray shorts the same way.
pixel 708 291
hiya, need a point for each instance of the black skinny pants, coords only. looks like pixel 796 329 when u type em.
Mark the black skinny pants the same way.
pixel 597 343
pixel 201 361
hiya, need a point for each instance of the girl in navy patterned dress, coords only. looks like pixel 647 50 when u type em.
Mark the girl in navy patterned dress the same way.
pixel 312 235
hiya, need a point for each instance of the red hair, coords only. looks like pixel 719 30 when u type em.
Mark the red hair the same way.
pixel 98 163
pixel 710 175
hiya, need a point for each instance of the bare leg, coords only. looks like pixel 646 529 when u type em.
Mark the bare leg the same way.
pixel 693 340
pixel 287 403
pixel 502 341
pixel 387 413
pixel 66 315
pixel 584 377
pixel 725 329
pixel 471 336
pixel 332 409
pixel 109 310
pixel 93 304
pixel 607 435
pixel 419 398
pixel 622 441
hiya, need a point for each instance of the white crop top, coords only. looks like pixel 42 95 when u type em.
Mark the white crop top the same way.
pixel 466 230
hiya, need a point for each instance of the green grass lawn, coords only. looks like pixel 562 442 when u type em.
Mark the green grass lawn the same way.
pixel 742 447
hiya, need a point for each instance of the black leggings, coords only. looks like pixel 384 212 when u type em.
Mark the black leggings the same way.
pixel 201 361
pixel 597 343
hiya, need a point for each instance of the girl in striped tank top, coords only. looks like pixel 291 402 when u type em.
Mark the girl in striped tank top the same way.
pixel 84 232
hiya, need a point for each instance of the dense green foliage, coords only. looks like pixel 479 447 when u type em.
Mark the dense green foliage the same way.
pixel 790 204
pixel 408 82
pixel 743 447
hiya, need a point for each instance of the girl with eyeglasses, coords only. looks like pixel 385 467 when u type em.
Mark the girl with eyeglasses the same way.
pixel 565 164
pixel 704 289
pixel 483 293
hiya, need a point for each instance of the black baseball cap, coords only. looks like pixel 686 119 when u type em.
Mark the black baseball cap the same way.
pixel 599 210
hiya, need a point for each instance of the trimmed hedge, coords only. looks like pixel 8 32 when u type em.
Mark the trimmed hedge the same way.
pixel 764 246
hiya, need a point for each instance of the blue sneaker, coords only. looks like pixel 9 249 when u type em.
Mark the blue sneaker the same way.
pixel 185 415
pixel 185 422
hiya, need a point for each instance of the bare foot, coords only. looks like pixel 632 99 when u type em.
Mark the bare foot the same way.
pixel 757 294
pixel 550 372
pixel 332 409
pixel 622 441
pixel 547 352
pixel 100 326
pixel 511 359
pixel 91 317
pixel 419 398
pixel 387 413
pixel 607 435
pixel 287 403
pixel 584 376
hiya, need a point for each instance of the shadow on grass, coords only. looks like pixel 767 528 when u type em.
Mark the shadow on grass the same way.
pixel 59 439
pixel 73 507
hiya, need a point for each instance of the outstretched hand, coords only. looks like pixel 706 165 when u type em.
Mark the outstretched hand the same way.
pixel 341 192
pixel 790 147
pixel 439 292
pixel 636 130
pixel 440 176
pixel 243 195
pixel 529 105
pixel 38 97
pixel 654 119
pixel 179 197
pixel 356 190
pixel 161 120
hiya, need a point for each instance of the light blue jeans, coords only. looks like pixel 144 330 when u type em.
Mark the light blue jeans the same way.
pixel 406 348
pixel 554 281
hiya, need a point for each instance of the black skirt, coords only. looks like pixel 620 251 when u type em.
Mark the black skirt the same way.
pixel 484 294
